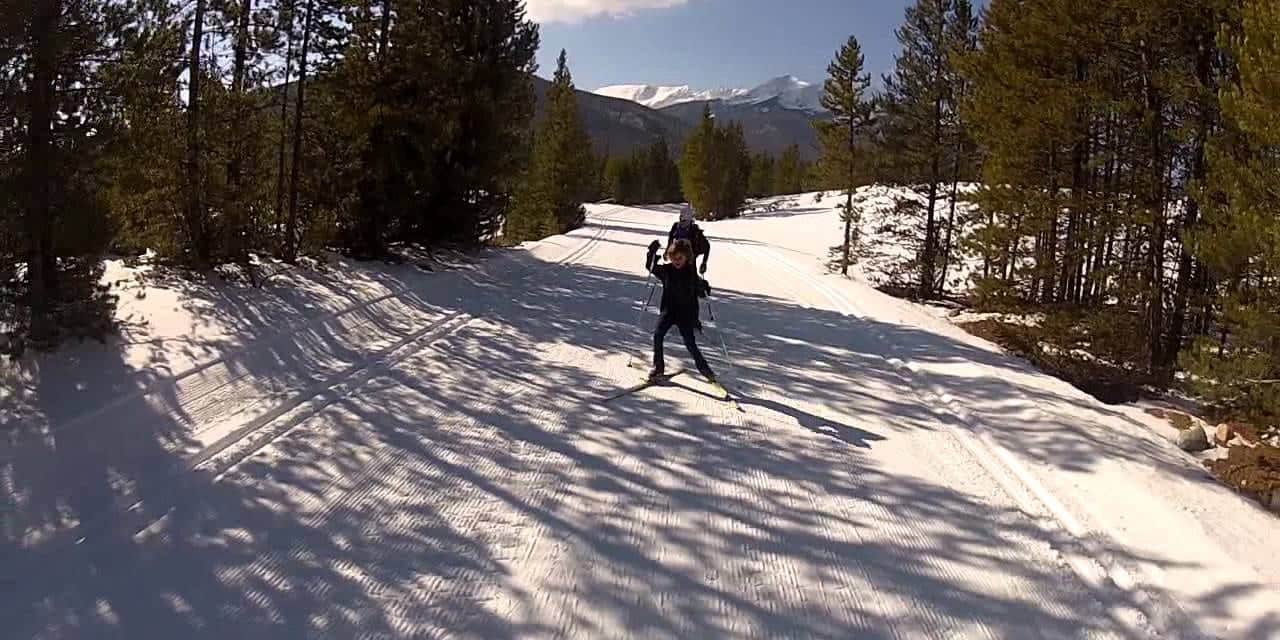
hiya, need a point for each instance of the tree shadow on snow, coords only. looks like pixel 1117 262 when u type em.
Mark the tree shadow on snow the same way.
pixel 410 501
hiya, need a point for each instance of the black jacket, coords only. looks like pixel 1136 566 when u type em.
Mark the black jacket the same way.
pixel 681 289
pixel 695 236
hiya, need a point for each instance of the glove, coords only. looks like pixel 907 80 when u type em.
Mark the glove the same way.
pixel 704 288
pixel 703 269
pixel 653 247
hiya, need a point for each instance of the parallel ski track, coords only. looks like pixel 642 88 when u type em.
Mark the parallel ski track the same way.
pixel 277 420
pixel 427 478
pixel 217 380
pixel 464 514
pixel 1112 585
pixel 902 533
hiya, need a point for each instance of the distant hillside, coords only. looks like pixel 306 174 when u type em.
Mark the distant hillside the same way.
pixel 620 126
pixel 769 126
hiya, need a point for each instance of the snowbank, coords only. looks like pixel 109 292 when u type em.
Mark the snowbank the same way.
pixel 890 228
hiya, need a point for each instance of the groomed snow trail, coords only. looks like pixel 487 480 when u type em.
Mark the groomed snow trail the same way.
pixel 439 465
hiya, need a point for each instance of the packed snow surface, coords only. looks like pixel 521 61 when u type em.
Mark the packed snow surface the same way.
pixel 363 450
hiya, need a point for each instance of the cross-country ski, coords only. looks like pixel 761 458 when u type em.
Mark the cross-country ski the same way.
pixel 650 381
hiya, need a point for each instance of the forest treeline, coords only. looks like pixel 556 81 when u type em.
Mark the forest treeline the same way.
pixel 1128 152
pixel 216 132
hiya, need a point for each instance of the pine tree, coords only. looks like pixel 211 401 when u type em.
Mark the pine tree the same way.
pixel 61 114
pixel 492 46
pixel 620 178
pixel 551 200
pixel 917 95
pixel 845 96
pixel 322 33
pixel 661 176
pixel 697 170
pixel 1089 154
pixel 446 174
pixel 1016 111
pixel 716 168
pixel 961 41
pixel 1239 243
pixel 791 171
pixel 733 159
pixel 763 176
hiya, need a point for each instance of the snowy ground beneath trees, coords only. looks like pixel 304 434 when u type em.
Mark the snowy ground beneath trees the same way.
pixel 385 452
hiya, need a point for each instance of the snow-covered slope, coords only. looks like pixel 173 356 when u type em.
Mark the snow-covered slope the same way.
pixel 791 92
pixel 887 237
pixel 376 451
pixel 657 97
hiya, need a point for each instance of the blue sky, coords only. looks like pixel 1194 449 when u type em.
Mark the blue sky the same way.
pixel 710 43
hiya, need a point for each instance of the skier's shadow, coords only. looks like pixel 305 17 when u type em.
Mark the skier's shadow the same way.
pixel 853 436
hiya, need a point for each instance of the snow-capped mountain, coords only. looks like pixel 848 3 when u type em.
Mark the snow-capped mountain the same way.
pixel 656 97
pixel 791 92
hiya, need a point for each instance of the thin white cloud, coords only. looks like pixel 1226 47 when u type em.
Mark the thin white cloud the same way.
pixel 577 10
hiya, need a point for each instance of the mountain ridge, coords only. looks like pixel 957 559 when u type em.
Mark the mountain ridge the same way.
pixel 791 92
pixel 618 126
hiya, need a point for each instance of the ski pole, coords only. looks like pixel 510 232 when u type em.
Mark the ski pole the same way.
pixel 653 286
pixel 645 307
pixel 720 332
pixel 640 318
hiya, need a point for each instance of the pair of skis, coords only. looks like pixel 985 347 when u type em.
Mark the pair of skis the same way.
pixel 655 381
pixel 665 379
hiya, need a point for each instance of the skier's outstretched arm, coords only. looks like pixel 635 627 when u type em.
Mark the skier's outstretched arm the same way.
pixel 651 260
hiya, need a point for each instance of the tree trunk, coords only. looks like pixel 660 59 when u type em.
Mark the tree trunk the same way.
pixel 852 142
pixel 41 260
pixel 1068 287
pixel 291 230
pixel 928 263
pixel 195 206
pixel 1191 212
pixel 848 228
pixel 1097 285
pixel 238 73
pixel 1155 202
pixel 951 215
pixel 384 34
pixel 1051 235
pixel 284 118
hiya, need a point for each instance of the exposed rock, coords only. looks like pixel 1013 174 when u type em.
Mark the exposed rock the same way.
pixel 1178 419
pixel 1193 439
pixel 1223 434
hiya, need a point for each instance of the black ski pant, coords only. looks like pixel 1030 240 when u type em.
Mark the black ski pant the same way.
pixel 687 326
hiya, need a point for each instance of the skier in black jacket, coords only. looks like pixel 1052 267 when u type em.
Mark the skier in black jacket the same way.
pixel 687 229
pixel 681 288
